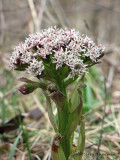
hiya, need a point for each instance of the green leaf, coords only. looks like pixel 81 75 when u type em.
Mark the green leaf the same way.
pixel 89 95
pixel 81 140
pixel 69 80
pixel 21 67
pixel 74 117
pixel 50 112
pixel 3 109
pixel 26 138
pixel 74 97
pixel 59 98
pixel 79 150
pixel 63 72
pixel 74 156
pixel 14 146
pixel 57 152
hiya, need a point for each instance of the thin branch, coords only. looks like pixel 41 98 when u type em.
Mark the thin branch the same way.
pixel 93 64
pixel 41 11
pixel 34 14
pixel 2 24
pixel 63 13
pixel 102 121
pixel 89 146
pixel 58 12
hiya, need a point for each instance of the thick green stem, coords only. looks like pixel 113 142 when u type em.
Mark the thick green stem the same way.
pixel 66 146
pixel 63 120
pixel 62 113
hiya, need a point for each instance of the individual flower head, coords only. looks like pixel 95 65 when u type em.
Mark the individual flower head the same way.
pixel 53 49
pixel 35 68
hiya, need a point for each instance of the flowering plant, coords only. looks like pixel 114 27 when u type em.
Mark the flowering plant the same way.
pixel 59 57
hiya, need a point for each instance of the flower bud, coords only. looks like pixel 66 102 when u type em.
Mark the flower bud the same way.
pixel 27 88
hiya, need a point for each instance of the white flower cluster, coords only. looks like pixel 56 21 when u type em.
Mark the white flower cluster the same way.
pixel 35 68
pixel 68 47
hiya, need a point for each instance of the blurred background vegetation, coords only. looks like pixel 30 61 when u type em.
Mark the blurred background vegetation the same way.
pixel 25 131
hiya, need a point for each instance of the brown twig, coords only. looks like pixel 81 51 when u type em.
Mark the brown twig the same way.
pixel 89 146
pixel 2 18
pixel 58 12
pixel 41 12
pixel 34 14
pixel 93 64
pixel 102 122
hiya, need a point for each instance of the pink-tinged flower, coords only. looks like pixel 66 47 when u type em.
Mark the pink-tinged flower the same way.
pixel 35 68
pixel 29 87
pixel 65 47
pixel 23 89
